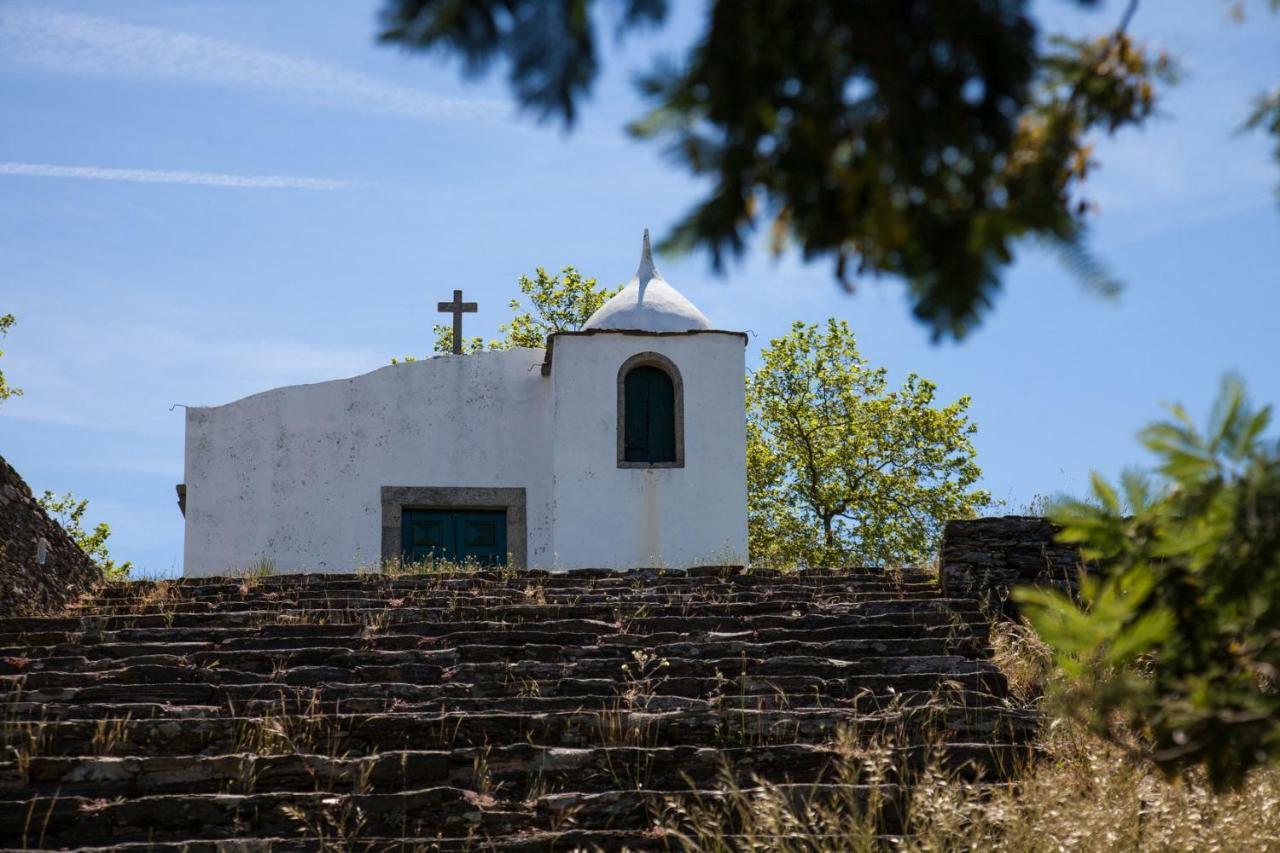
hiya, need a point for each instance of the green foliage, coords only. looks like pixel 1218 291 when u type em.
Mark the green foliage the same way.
pixel 69 512
pixel 6 390
pixel 854 163
pixel 1266 117
pixel 444 341
pixel 923 139
pixel 443 344
pixel 1175 642
pixel 841 470
pixel 549 43
pixel 557 303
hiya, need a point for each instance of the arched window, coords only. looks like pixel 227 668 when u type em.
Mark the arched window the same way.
pixel 650 413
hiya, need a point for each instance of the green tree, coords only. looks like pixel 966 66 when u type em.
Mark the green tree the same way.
pixel 1174 643
pixel 922 139
pixel 69 512
pixel 443 344
pixel 557 303
pixel 842 470
pixel 6 390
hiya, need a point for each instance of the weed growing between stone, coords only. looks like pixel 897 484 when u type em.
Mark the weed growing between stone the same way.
pixel 1027 663
pixel 432 566
pixel 1071 791
pixel 1081 795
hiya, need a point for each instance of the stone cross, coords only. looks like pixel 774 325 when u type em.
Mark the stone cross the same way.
pixel 457 308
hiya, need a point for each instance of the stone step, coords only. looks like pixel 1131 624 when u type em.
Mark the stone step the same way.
pixel 708 574
pixel 966 609
pixel 46 821
pixel 368 733
pixel 146 673
pixel 508 773
pixel 759 697
pixel 725 668
pixel 273 660
pixel 631 809
pixel 493 673
pixel 463 607
pixel 849 625
pixel 191 587
pixel 815 687
pixel 559 581
pixel 119 645
pixel 539 594
pixel 516 592
pixel 565 840
pixel 632 579
pixel 85 820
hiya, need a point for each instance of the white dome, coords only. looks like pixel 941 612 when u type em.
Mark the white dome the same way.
pixel 648 304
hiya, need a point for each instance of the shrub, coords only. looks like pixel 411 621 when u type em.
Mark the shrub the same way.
pixel 1174 645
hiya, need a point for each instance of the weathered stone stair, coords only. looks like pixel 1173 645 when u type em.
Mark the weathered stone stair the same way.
pixel 502 710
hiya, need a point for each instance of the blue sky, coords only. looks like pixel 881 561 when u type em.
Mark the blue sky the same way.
pixel 201 200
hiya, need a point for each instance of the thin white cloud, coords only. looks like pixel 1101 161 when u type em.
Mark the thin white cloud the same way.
pixel 83 44
pixel 149 176
pixel 195 178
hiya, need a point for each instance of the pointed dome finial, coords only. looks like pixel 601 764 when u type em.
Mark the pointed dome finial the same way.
pixel 647 270
pixel 648 304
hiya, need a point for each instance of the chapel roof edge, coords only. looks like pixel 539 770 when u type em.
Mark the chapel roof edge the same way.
pixel 641 333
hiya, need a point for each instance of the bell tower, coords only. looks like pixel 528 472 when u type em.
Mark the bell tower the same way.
pixel 649 434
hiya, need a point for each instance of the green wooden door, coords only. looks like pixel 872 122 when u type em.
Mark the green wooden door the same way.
pixel 649 416
pixel 482 537
pixel 427 535
pixel 478 536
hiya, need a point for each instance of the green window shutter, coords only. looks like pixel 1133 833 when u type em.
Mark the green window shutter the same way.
pixel 662 418
pixel 455 535
pixel 649 416
pixel 427 534
pixel 636 417
pixel 482 537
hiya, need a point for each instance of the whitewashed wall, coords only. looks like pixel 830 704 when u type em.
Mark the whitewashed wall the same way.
pixel 612 517
pixel 294 475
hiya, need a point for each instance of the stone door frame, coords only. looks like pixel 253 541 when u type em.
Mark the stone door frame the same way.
pixel 396 499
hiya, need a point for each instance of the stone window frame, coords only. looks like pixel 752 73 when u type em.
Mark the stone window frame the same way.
pixel 397 499
pixel 667 366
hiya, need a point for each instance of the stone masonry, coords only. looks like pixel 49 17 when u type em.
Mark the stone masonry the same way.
pixel 41 569
pixel 508 710
pixel 987 557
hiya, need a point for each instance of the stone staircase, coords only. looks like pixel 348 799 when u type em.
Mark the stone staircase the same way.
pixel 494 710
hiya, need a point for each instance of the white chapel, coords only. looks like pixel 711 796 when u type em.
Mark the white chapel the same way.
pixel 618 446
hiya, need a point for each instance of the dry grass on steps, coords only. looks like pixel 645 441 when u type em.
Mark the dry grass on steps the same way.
pixel 1084 795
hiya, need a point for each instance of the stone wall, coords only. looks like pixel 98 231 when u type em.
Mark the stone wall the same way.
pixel 452 746
pixel 41 569
pixel 990 556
